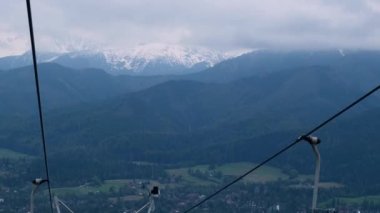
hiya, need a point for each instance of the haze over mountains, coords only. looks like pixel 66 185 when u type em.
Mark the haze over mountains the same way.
pixel 257 101
pixel 64 86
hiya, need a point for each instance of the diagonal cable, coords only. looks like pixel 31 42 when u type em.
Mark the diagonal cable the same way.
pixel 39 98
pixel 339 113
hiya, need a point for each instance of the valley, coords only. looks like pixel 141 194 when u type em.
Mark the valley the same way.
pixel 192 133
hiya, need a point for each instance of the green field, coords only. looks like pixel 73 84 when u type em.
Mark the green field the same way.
pixel 106 187
pixel 262 175
pixel 188 178
pixel 360 200
pixel 9 154
pixel 231 170
pixel 85 189
pixel 352 201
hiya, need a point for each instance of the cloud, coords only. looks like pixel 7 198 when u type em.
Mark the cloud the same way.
pixel 12 42
pixel 222 24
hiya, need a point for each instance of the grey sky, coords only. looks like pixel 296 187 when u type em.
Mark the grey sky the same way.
pixel 216 24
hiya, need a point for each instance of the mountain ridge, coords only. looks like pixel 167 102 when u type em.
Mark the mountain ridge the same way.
pixel 148 59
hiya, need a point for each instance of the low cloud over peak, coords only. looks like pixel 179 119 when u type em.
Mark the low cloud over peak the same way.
pixel 223 25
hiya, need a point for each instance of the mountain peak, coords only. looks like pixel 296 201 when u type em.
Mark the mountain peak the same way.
pixel 141 56
pixel 144 59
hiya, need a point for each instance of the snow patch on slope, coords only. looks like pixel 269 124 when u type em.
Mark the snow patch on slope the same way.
pixel 154 58
pixel 138 58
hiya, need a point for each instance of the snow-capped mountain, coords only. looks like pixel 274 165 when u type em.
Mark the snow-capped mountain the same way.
pixel 148 59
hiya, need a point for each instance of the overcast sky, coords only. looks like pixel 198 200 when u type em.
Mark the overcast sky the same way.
pixel 215 24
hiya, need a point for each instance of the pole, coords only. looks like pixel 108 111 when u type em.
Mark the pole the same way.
pixel 32 198
pixel 142 208
pixel 56 203
pixel 316 177
pixel 152 207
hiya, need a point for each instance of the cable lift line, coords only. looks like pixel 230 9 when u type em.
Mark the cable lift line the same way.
pixel 30 22
pixel 58 202
pixel 292 144
pixel 150 205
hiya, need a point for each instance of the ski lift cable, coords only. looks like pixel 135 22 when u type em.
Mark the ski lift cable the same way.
pixel 30 22
pixel 58 201
pixel 143 207
pixel 285 148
